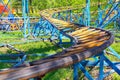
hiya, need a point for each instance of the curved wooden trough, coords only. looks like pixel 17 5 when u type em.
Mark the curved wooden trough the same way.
pixel 87 42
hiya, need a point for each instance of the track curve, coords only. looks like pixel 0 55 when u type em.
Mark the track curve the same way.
pixel 87 42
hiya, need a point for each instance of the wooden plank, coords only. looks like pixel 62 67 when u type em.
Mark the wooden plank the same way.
pixel 97 32
pixel 92 37
pixel 95 43
pixel 67 57
pixel 8 70
pixel 44 68
pixel 80 30
pixel 84 32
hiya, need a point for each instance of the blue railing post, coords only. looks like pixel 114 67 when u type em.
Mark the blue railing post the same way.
pixel 112 65
pixel 75 72
pixel 99 13
pixel 59 15
pixel 101 24
pixel 87 12
pixel 101 67
pixel 114 52
pixel 71 16
pixel 25 16
pixel 66 15
pixel 82 68
pixel 60 38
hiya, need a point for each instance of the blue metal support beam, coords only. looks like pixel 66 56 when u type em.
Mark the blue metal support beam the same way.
pixel 115 6
pixel 26 18
pixel 101 61
pixel 101 67
pixel 100 13
pixel 60 38
pixel 82 68
pixel 21 61
pixel 86 73
pixel 59 15
pixel 66 16
pixel 75 73
pixel 71 19
pixel 109 21
pixel 103 23
pixel 87 12
pixel 114 52
pixel 114 67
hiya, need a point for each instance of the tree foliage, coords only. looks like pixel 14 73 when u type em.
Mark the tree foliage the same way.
pixel 37 5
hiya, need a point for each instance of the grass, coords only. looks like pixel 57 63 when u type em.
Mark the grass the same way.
pixel 60 74
pixel 44 48
pixel 38 48
pixel 49 48
pixel 8 37
pixel 34 48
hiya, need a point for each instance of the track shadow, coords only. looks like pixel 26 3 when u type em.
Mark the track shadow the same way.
pixel 46 49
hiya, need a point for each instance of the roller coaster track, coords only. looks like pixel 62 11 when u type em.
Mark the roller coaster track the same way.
pixel 87 42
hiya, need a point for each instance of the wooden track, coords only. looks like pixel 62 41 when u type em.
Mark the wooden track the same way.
pixel 87 42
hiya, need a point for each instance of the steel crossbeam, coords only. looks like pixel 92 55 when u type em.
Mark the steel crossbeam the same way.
pixel 100 62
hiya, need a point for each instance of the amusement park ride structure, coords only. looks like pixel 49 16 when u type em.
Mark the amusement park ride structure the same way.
pixel 87 42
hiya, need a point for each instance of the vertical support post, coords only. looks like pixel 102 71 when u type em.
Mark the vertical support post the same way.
pixel 115 6
pixel 115 26
pixel 66 16
pixel 118 16
pixel 81 20
pixel 28 19
pixel 84 16
pixel 70 16
pixel 114 67
pixel 86 73
pixel 101 67
pixel 53 32
pixel 87 12
pixel 82 68
pixel 75 72
pixel 60 38
pixel 59 15
pixel 25 17
pixel 99 13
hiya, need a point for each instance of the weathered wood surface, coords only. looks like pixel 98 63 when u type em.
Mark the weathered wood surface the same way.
pixel 87 43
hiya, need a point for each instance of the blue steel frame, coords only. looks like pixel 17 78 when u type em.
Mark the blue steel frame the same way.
pixel 19 58
pixel 102 58
pixel 113 19
pixel 45 28
pixel 87 11
pixel 25 10
pixel 100 13
pixel 48 29
pixel 116 8
pixel 115 16
pixel 100 62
